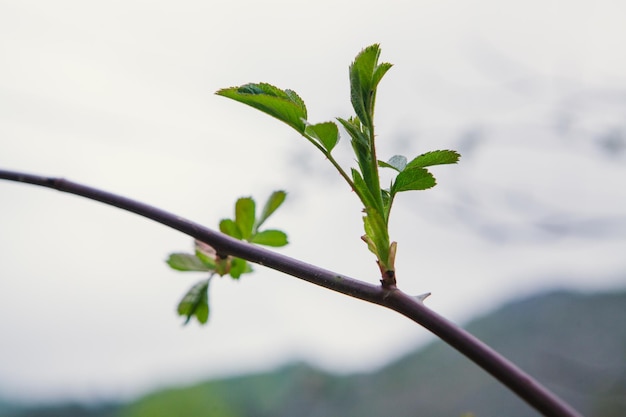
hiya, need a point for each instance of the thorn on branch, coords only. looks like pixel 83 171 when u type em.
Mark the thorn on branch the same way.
pixel 422 297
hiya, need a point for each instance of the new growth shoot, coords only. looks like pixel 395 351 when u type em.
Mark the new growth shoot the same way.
pixel 365 75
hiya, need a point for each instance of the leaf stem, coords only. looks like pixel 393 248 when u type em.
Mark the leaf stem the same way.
pixel 506 372
pixel 338 167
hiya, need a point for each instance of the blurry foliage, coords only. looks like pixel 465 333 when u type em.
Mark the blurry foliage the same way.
pixel 244 226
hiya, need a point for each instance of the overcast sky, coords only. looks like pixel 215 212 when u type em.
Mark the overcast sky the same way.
pixel 119 95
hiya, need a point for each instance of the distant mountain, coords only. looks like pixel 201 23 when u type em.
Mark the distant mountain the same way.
pixel 60 410
pixel 573 343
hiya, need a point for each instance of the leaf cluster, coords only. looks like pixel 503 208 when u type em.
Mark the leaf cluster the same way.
pixel 244 226
pixel 365 74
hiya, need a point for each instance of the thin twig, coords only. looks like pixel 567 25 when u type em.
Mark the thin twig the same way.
pixel 506 372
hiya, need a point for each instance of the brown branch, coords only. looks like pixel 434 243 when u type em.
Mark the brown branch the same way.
pixel 506 372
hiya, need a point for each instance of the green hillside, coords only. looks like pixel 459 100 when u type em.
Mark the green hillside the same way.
pixel 575 344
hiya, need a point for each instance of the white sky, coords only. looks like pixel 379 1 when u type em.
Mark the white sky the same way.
pixel 119 95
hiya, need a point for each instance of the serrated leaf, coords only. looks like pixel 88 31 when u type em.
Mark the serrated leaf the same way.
pixel 285 105
pixel 397 162
pixel 357 100
pixel 413 179
pixel 361 71
pixel 353 127
pixel 368 172
pixel 245 216
pixel 365 63
pixel 275 238
pixel 238 267
pixel 361 146
pixel 187 262
pixel 196 302
pixel 365 74
pixel 296 99
pixel 434 158
pixel 230 228
pixel 273 202
pixel 363 190
pixel 379 72
pixel 327 134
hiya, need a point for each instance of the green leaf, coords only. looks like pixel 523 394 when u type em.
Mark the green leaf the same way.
pixel 187 262
pixel 365 74
pixel 379 72
pixel 376 231
pixel 229 227
pixel 361 146
pixel 434 158
pixel 275 238
pixel 397 162
pixel 245 216
pixel 238 267
pixel 196 302
pixel 413 179
pixel 369 173
pixel 353 127
pixel 386 201
pixel 285 105
pixel 358 100
pixel 327 134
pixel 361 72
pixel 206 259
pixel 363 191
pixel 276 199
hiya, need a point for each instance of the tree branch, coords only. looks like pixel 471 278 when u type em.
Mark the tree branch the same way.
pixel 412 307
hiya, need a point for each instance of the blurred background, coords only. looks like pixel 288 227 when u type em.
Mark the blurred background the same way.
pixel 119 95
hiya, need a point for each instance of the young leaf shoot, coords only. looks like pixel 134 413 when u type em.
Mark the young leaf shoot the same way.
pixel 245 226
pixel 365 73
